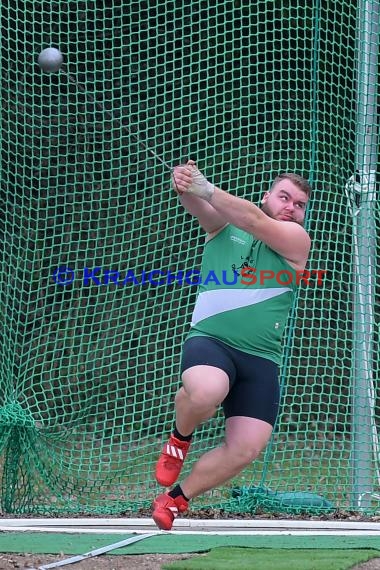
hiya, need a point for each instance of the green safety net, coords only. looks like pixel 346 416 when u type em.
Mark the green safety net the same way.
pixel 90 338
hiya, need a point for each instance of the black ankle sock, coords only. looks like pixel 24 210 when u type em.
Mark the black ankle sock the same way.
pixel 177 492
pixel 180 436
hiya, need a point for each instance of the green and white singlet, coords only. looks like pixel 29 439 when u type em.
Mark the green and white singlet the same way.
pixel 249 317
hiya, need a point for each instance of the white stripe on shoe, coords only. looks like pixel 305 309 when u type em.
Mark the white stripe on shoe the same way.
pixel 174 451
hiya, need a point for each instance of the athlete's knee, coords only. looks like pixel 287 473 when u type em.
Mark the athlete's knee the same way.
pixel 206 391
pixel 242 454
pixel 197 398
pixel 246 438
pixel 243 457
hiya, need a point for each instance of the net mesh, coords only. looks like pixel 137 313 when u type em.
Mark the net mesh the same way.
pixel 90 345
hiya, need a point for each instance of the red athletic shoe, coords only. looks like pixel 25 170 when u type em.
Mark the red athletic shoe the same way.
pixel 170 462
pixel 165 510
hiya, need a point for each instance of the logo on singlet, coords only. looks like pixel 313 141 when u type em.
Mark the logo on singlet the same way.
pixel 238 240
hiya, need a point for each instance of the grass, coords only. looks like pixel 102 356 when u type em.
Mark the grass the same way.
pixel 280 559
pixel 325 472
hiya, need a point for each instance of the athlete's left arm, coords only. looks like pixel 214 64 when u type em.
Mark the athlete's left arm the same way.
pixel 289 239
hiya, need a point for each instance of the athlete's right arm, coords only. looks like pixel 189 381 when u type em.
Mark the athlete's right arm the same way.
pixel 209 219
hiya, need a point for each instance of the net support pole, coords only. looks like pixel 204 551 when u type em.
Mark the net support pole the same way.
pixel 364 456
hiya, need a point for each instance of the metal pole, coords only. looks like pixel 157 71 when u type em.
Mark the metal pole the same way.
pixel 364 457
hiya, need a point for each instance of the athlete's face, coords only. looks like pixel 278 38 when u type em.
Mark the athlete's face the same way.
pixel 285 202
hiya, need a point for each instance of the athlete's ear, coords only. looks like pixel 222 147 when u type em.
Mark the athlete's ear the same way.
pixel 265 197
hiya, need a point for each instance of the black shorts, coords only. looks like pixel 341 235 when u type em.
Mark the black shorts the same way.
pixel 254 386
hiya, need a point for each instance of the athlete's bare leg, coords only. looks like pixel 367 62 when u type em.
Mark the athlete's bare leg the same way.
pixel 245 439
pixel 204 389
